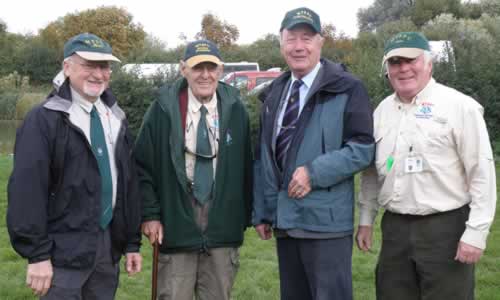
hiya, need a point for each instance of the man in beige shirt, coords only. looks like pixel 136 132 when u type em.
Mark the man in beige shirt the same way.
pixel 434 175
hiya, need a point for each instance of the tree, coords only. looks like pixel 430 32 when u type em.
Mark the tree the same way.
pixel 426 10
pixel 337 46
pixel 265 51
pixel 3 27
pixel 37 61
pixel 218 31
pixel 382 11
pixel 153 51
pixel 111 23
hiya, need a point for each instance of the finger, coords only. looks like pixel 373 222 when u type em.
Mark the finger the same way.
pixel 138 265
pixel 46 286
pixel 37 286
pixel 152 238
pixel 160 235
pixel 128 266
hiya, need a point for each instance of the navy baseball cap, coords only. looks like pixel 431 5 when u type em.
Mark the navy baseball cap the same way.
pixel 90 47
pixel 201 51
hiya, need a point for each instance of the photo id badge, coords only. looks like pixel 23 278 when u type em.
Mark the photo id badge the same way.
pixel 413 164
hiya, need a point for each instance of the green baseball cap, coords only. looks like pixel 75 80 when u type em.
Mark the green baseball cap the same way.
pixel 406 44
pixel 301 15
pixel 89 47
pixel 201 51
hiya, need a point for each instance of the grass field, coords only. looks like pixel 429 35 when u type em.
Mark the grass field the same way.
pixel 258 275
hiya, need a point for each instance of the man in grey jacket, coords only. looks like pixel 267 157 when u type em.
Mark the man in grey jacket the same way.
pixel 316 133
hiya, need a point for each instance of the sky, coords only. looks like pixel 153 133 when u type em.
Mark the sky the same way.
pixel 166 20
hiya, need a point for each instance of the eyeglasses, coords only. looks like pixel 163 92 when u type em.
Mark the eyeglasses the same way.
pixel 104 67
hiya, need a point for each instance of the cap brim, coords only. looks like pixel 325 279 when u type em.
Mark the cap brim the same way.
pixel 198 59
pixel 96 56
pixel 404 52
pixel 299 22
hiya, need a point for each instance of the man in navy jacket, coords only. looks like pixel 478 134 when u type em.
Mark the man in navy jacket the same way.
pixel 73 206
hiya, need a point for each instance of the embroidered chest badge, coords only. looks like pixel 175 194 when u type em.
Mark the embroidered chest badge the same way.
pixel 424 110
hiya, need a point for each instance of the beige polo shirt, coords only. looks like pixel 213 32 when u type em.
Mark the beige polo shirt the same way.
pixel 192 120
pixel 445 132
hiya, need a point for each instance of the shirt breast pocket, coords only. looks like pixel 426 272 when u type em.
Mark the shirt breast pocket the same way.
pixel 438 135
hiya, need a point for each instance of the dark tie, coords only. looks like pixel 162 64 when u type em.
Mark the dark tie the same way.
pixel 288 124
pixel 98 143
pixel 203 170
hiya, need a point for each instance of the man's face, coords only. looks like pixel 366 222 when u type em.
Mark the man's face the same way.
pixel 202 79
pixel 301 48
pixel 88 78
pixel 408 76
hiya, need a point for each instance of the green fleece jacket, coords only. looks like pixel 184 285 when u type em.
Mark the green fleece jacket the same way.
pixel 159 153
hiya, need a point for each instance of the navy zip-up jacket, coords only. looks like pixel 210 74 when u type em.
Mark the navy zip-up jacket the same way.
pixel 59 220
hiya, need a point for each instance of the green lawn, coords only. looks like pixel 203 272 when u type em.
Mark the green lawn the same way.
pixel 258 275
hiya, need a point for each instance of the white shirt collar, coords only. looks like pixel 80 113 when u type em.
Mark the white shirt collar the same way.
pixel 87 105
pixel 195 105
pixel 309 78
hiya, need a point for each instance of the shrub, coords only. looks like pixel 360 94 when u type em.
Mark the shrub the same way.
pixel 135 93
pixel 26 102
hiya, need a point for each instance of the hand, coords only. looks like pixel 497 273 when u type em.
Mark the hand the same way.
pixel 39 277
pixel 153 230
pixel 300 185
pixel 364 237
pixel 133 263
pixel 264 231
pixel 468 254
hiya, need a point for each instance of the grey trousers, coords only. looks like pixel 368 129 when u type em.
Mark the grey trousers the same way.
pixel 96 283
pixel 204 275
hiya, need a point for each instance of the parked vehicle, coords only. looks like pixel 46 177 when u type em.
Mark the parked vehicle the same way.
pixel 240 66
pixel 249 79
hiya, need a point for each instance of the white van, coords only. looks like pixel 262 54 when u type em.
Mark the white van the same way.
pixel 240 66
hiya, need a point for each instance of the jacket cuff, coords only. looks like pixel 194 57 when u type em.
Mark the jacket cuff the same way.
pixel 132 248
pixel 38 258
pixel 312 175
pixel 475 238
pixel 150 218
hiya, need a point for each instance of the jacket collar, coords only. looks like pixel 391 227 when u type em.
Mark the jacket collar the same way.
pixel 332 78
pixel 168 100
pixel 60 99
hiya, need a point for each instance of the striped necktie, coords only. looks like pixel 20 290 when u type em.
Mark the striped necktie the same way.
pixel 288 124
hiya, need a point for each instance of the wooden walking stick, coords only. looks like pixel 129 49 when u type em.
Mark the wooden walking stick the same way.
pixel 154 280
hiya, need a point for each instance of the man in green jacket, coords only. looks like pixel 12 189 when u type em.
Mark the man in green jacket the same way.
pixel 194 159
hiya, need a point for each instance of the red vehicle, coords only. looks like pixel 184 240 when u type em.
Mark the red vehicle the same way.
pixel 249 79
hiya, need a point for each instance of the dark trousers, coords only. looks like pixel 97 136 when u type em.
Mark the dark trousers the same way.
pixel 318 269
pixel 96 283
pixel 417 258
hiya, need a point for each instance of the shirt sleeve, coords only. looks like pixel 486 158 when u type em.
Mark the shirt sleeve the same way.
pixel 474 149
pixel 367 201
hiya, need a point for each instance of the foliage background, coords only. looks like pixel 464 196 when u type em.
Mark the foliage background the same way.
pixel 28 63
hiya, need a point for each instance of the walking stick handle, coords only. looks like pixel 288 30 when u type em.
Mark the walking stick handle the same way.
pixel 154 280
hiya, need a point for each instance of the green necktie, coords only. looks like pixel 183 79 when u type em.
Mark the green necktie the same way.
pixel 203 170
pixel 98 142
